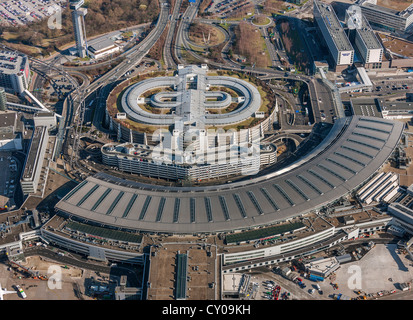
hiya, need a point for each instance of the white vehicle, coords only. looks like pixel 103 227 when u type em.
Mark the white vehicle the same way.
pixel 22 293
pixel 4 291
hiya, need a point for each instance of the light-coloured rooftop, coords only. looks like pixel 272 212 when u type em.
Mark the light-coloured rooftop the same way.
pixel 334 26
pixel 355 149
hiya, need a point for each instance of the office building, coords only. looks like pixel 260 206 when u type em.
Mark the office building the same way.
pixel 365 42
pixel 10 132
pixel 14 71
pixel 78 17
pixel 3 100
pixel 104 46
pixel 386 18
pixel 339 46
pixel 43 118
pixel 34 160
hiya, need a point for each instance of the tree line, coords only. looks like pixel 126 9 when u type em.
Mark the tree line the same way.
pixel 103 16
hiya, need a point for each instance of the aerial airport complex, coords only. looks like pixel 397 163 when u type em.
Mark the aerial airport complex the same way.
pixel 196 164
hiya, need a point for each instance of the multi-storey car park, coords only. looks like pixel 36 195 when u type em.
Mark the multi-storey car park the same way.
pixel 14 71
pixel 202 111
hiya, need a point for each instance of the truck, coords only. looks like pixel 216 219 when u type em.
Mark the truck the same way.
pixel 22 293
pixel 315 278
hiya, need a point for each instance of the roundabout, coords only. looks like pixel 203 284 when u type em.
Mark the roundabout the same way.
pixel 261 21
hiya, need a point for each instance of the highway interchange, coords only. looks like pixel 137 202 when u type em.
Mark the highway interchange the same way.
pixel 176 20
pixel 176 43
pixel 177 49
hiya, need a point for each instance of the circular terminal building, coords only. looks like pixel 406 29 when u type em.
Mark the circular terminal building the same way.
pixel 202 127
pixel 352 152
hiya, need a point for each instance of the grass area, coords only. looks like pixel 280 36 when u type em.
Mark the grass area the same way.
pixel 261 20
pixel 250 44
pixel 188 56
pixel 199 32
pixel 245 16
pixel 394 4
pixel 293 45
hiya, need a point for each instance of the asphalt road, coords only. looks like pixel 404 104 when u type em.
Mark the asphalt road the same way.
pixel 169 42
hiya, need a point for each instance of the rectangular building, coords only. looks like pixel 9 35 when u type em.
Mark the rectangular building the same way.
pixel 403 216
pixel 338 44
pixel 14 71
pixel 34 160
pixel 322 267
pixel 396 109
pixel 181 276
pixel 361 34
pixel 10 133
pixel 104 46
pixel 387 18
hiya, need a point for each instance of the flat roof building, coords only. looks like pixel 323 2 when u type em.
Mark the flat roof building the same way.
pixel 10 133
pixel 365 41
pixel 366 107
pixel 34 160
pixel 338 44
pixel 14 71
pixel 387 18
pixel 355 148
pixel 103 46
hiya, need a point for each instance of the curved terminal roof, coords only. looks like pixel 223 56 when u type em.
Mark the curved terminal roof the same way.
pixel 354 150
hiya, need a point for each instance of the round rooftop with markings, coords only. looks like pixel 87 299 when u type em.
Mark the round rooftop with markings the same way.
pixel 191 98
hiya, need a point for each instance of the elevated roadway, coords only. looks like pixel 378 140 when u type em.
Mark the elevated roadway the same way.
pixel 169 42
